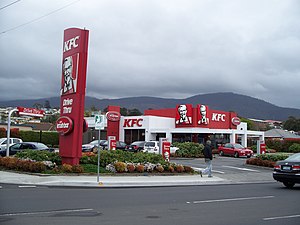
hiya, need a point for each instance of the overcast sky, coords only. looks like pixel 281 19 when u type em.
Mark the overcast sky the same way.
pixel 161 48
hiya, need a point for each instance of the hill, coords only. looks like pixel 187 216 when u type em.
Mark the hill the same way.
pixel 245 106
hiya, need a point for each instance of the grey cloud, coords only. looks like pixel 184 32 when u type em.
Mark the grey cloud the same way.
pixel 157 48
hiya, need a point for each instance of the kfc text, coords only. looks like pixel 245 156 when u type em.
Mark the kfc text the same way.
pixel 71 43
pixel 132 122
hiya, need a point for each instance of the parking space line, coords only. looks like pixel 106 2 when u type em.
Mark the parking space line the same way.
pixel 231 199
pixel 281 217
pixel 27 186
pixel 239 168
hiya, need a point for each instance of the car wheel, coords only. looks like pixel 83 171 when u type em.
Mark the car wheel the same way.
pixel 289 184
pixel 221 153
pixel 236 154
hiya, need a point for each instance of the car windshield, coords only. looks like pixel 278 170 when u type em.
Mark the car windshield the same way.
pixel 95 142
pixel 138 143
pixel 238 146
pixel 295 157
pixel 150 144
pixel 41 146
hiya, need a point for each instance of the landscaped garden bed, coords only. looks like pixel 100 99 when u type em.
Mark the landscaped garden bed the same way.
pixel 112 162
pixel 267 160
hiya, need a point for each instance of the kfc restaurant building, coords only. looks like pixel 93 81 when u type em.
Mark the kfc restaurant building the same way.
pixel 183 123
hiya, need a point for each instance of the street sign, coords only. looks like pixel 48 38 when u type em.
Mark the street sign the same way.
pixel 99 122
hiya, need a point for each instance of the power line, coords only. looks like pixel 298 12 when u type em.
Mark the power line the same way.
pixel 9 4
pixel 41 17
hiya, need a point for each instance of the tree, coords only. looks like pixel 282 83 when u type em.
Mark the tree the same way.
pixel 47 104
pixel 37 105
pixel 292 123
pixel 134 112
pixel 50 118
pixel 124 111
pixel 250 125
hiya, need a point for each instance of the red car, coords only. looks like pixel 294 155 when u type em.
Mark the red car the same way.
pixel 235 150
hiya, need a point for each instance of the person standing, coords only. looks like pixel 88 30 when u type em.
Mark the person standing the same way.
pixel 208 159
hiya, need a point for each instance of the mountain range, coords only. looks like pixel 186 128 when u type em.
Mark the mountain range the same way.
pixel 244 106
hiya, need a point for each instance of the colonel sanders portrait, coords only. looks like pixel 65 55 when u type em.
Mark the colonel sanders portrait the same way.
pixel 203 116
pixel 68 86
pixel 183 112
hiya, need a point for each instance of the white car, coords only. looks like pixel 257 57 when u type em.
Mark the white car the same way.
pixel 173 149
pixel 3 142
pixel 151 147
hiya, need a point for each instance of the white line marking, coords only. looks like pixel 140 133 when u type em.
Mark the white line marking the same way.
pixel 45 212
pixel 239 168
pixel 281 217
pixel 27 186
pixel 231 199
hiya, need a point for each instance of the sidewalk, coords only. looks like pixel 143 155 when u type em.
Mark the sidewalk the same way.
pixel 108 181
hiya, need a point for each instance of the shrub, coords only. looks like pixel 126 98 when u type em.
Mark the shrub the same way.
pixel 77 169
pixel 171 169
pixel 281 146
pixel 140 168
pixel 130 167
pixel 120 167
pixel 66 168
pixel 188 169
pixel 179 169
pixel 294 148
pixel 39 156
pixel 159 168
pixel 189 149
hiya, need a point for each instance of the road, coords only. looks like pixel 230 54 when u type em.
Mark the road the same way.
pixel 266 204
pixel 260 201
pixel 234 169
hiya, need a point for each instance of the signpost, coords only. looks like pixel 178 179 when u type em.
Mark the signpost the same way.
pixel 22 111
pixel 99 125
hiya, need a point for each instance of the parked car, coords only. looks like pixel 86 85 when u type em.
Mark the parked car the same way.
pixel 3 142
pixel 14 149
pixel 136 146
pixel 288 171
pixel 236 150
pixel 119 145
pixel 151 147
pixel 92 146
pixel 173 149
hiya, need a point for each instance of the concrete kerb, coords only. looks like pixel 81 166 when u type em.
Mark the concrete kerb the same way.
pixel 108 181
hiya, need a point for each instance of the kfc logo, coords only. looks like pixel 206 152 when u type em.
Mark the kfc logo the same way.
pixel 184 114
pixel 69 75
pixel 133 122
pixel 203 115
pixel 72 43
pixel 218 117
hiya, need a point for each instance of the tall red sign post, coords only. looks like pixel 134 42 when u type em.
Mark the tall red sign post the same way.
pixel 73 83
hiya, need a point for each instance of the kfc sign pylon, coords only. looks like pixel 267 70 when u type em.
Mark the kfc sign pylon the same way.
pixel 72 91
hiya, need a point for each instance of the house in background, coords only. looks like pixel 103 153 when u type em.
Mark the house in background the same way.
pixel 279 134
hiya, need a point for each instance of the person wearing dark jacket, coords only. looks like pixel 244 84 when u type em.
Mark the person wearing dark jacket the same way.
pixel 208 159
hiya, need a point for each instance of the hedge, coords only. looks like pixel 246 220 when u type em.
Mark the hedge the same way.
pixel 282 146
pixel 189 149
